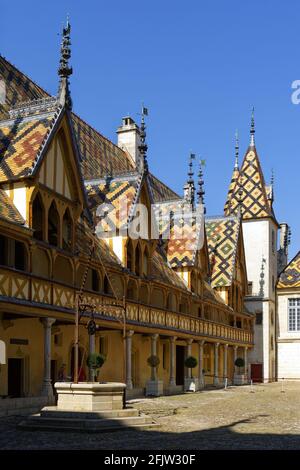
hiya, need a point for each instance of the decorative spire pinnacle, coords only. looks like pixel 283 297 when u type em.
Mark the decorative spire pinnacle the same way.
pixel 189 187
pixel 252 129
pixel 201 191
pixel 65 70
pixel 143 147
pixel 271 193
pixel 236 163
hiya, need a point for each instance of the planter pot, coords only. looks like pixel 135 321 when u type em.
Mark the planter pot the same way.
pixel 240 379
pixel 154 388
pixel 191 384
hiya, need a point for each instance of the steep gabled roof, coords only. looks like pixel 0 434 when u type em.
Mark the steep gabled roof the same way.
pixel 249 190
pixel 290 277
pixel 8 211
pixel 21 142
pixel 222 236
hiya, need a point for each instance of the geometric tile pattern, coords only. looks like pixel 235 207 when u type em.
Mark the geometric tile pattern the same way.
pixel 290 277
pixel 161 271
pixel 222 238
pixel 99 156
pixel 7 209
pixel 19 87
pixel 234 179
pixel 116 197
pixel 160 191
pixel 253 199
pixel 20 141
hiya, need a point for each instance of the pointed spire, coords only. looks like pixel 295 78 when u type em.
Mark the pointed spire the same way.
pixel 252 129
pixel 201 191
pixel 65 70
pixel 237 147
pixel 271 191
pixel 189 187
pixel 143 147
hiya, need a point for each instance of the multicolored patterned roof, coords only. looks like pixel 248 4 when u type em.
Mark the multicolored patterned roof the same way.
pixel 160 191
pixel 161 271
pixel 222 238
pixel 18 88
pixel 116 197
pixel 290 277
pixel 234 180
pixel 21 141
pixel 249 190
pixel 8 211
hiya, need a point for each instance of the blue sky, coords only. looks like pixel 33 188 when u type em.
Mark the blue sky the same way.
pixel 198 65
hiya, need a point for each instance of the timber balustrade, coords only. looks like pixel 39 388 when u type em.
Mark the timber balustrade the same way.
pixel 28 287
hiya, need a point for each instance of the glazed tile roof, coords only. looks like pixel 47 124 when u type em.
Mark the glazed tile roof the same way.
pixel 222 238
pixel 253 198
pixel 18 88
pixel 161 271
pixel 116 197
pixel 234 179
pixel 8 211
pixel 160 191
pixel 102 252
pixel 21 140
pixel 290 277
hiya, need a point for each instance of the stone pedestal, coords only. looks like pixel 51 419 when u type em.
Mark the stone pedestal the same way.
pixel 240 379
pixel 191 384
pixel 154 388
pixel 89 396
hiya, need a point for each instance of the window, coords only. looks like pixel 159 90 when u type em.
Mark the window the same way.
pixel 3 250
pixel 294 314
pixel 250 288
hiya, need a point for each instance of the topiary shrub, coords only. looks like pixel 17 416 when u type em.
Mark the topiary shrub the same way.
pixel 239 362
pixel 95 361
pixel 191 362
pixel 153 361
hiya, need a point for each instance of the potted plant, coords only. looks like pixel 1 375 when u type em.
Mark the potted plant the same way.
pixel 191 384
pixel 239 379
pixel 154 386
pixel 94 362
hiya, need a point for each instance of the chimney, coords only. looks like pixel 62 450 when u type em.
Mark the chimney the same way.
pixel 129 137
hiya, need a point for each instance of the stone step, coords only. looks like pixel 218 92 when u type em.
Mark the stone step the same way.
pixel 53 412
pixel 36 422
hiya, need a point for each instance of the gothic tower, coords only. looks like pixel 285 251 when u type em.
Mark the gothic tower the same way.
pixel 249 195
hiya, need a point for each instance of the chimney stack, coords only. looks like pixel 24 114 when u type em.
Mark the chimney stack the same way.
pixel 129 138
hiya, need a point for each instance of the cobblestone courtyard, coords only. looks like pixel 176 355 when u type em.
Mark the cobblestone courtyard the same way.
pixel 267 418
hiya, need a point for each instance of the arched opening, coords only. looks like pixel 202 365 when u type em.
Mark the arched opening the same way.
pixel 144 297
pixel 67 231
pixel 146 262
pixel 138 260
pixel 171 302
pixel 62 270
pixel 157 298
pixel 193 282
pixel 38 217
pixel 20 256
pixel 131 290
pixel 40 263
pixel 53 225
pixel 130 256
pixel 106 286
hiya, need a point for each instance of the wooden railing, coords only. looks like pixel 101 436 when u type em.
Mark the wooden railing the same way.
pixel 28 287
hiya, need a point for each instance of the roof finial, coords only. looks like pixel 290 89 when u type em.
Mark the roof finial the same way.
pixel 189 187
pixel 201 191
pixel 143 147
pixel 236 163
pixel 271 192
pixel 65 70
pixel 252 129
